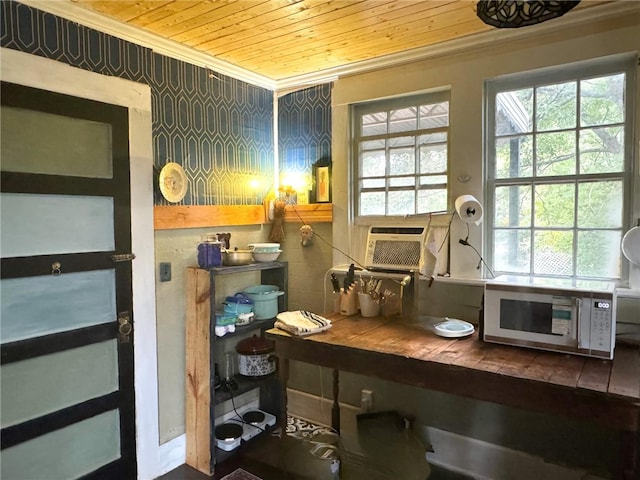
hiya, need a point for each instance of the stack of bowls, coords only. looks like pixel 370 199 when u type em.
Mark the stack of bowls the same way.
pixel 265 252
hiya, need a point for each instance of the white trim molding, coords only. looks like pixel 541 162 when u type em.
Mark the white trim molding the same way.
pixel 38 72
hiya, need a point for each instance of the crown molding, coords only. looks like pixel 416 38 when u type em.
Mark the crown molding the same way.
pixel 69 10
pixel 578 18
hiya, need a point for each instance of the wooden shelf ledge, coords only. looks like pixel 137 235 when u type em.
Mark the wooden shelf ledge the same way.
pixel 313 213
pixel 198 216
pixel 167 217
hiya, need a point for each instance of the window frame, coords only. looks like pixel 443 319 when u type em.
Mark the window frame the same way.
pixel 623 63
pixel 357 110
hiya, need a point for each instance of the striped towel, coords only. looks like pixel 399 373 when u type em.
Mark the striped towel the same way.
pixel 301 322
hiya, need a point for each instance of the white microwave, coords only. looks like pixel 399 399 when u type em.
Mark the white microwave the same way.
pixel 560 315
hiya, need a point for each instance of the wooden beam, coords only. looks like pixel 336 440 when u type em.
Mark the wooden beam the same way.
pixel 198 216
pixel 312 213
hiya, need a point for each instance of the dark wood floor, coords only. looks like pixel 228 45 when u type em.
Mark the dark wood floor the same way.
pixel 263 468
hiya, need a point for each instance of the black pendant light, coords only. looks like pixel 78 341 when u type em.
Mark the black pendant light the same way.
pixel 521 13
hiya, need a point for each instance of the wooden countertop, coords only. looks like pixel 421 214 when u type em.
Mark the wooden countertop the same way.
pixel 406 350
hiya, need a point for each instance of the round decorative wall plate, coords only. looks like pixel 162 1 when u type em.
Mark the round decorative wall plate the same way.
pixel 173 182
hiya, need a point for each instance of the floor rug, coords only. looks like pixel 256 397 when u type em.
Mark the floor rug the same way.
pixel 298 427
pixel 240 474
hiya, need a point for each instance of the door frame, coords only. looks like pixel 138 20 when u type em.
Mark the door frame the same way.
pixel 38 72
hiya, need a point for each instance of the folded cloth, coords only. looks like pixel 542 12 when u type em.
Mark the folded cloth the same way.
pixel 301 322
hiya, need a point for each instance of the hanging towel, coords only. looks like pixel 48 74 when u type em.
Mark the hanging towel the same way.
pixel 301 322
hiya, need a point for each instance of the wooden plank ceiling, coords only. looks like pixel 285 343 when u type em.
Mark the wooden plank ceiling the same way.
pixel 280 39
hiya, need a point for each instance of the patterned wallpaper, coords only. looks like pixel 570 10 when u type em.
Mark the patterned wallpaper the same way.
pixel 304 128
pixel 218 128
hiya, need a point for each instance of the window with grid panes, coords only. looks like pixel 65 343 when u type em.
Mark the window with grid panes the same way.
pixel 559 156
pixel 401 146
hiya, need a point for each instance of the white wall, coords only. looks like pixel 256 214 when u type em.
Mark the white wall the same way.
pixel 307 267
pixel 464 73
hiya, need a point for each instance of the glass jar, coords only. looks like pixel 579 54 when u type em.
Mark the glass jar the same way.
pixel 209 252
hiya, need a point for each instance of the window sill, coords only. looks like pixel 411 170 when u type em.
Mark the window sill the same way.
pixel 475 282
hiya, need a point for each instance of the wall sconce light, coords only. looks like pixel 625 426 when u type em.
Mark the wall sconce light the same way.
pixel 295 184
pixel 521 13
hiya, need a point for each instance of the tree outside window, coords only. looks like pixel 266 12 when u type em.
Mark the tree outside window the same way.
pixel 559 171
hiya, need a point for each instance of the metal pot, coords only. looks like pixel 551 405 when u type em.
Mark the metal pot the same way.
pixel 256 357
pixel 265 300
pixel 237 257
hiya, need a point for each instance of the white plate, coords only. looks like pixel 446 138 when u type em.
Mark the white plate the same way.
pixel 173 182
pixel 631 245
pixel 452 327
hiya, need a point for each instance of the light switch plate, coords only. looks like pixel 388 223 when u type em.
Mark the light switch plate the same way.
pixel 165 271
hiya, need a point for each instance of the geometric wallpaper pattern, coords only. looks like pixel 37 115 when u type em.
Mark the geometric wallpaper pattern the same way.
pixel 220 129
pixel 304 128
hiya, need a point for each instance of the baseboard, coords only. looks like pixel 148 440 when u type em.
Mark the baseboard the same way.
pixel 315 409
pixel 481 460
pixel 172 454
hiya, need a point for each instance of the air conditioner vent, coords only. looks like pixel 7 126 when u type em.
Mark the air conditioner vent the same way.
pixel 395 248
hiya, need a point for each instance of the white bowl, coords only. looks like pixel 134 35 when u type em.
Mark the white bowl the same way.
pixel 265 247
pixel 266 256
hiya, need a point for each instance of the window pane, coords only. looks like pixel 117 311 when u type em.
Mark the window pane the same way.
pixel 439 137
pixel 432 200
pixel 373 164
pixel 372 145
pixel 401 203
pixel 514 112
pixel 39 142
pixel 602 150
pixel 402 181
pixel 43 305
pixel 600 204
pixel 554 205
pixel 402 160
pixel 513 206
pixel 433 159
pixel 512 250
pixel 409 154
pixel 372 203
pixel 41 224
pixel 403 120
pixel 433 180
pixel 556 154
pixel 374 183
pixel 558 168
pixel 45 384
pixel 434 116
pixel 556 106
pixel 401 142
pixel 374 124
pixel 514 157
pixel 599 253
pixel 553 253
pixel 602 100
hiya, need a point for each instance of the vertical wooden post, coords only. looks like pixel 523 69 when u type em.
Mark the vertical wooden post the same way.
pixel 198 400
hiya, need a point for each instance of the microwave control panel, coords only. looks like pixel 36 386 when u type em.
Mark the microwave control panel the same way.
pixel 601 324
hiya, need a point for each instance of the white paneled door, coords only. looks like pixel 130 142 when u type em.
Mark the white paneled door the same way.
pixel 66 321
